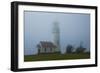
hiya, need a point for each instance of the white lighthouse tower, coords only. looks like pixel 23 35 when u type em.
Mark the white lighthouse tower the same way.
pixel 56 35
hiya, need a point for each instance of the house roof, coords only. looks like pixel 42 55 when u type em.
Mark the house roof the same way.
pixel 46 44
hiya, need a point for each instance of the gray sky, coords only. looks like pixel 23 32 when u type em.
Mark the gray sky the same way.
pixel 74 28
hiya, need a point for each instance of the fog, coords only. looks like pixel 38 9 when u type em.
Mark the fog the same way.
pixel 74 28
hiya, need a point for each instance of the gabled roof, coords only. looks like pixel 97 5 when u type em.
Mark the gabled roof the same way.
pixel 46 44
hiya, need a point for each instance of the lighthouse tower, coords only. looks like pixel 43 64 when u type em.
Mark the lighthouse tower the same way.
pixel 56 35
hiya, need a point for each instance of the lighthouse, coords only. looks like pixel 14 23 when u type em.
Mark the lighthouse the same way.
pixel 56 35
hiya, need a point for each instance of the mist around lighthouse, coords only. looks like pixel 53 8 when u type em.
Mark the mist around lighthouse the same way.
pixel 56 36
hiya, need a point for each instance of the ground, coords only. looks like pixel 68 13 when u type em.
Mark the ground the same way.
pixel 56 56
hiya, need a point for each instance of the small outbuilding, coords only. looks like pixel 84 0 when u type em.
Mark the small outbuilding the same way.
pixel 46 47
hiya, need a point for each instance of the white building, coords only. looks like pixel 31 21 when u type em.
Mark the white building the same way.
pixel 46 47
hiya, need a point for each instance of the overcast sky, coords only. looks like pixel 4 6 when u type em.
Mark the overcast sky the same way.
pixel 74 28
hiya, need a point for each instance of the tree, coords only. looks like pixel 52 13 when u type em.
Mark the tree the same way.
pixel 69 49
pixel 80 49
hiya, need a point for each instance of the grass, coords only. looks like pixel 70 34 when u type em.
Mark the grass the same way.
pixel 56 56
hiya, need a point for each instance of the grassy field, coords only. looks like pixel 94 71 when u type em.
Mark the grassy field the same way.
pixel 56 56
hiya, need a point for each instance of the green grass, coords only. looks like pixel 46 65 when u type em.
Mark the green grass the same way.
pixel 56 56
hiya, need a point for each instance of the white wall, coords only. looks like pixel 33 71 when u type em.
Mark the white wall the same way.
pixel 5 35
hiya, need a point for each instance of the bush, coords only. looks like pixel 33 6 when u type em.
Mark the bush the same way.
pixel 80 49
pixel 69 49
